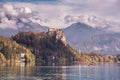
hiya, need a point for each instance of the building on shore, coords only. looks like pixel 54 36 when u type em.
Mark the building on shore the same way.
pixel 22 57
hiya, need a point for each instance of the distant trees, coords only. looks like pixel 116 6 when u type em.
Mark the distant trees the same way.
pixel 6 51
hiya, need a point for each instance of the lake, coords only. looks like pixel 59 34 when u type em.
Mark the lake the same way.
pixel 79 72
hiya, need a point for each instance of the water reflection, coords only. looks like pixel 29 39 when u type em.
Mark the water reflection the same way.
pixel 50 72
pixel 31 72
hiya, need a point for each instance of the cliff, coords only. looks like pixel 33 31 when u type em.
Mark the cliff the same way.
pixel 58 33
pixel 49 47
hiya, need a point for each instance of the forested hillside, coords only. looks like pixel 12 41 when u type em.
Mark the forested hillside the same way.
pixel 10 51
pixel 47 48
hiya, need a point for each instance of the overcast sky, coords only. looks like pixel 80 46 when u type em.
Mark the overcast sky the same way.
pixel 107 8
pixel 56 9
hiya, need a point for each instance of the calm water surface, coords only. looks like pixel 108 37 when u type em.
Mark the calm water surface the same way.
pixel 98 72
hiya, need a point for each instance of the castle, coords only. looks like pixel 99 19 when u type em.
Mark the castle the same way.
pixel 58 33
pixel 53 30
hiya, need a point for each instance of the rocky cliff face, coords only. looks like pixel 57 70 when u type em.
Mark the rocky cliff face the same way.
pixel 58 33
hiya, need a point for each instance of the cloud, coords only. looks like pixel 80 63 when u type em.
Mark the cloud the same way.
pixel 42 13
pixel 5 23
pixel 13 18
pixel 105 8
pixel 18 14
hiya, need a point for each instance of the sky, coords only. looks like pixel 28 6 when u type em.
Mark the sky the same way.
pixel 52 12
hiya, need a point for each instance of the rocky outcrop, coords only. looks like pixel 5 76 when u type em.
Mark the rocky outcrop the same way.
pixel 49 47
pixel 58 33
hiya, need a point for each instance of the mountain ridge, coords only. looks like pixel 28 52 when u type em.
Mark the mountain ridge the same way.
pixel 86 38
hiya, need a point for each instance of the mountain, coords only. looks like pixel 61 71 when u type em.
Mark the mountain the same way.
pixel 27 27
pixel 90 20
pixel 80 32
pixel 105 43
pixel 92 34
pixel 85 38
pixel 93 21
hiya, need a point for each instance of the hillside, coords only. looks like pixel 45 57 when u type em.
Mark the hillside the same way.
pixel 10 51
pixel 51 47
pixel 47 47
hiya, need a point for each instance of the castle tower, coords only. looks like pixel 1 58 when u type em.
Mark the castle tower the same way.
pixel 51 29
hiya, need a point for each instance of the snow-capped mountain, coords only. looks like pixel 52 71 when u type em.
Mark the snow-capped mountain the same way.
pixel 90 20
pixel 93 34
pixel 93 21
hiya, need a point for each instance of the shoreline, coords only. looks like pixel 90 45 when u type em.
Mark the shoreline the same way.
pixel 53 64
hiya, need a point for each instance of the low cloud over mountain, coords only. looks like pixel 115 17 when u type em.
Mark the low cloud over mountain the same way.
pixel 13 20
pixel 88 39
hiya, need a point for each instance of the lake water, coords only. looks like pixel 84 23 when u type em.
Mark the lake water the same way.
pixel 81 72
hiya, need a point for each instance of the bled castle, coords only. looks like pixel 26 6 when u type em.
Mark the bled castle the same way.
pixel 58 33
